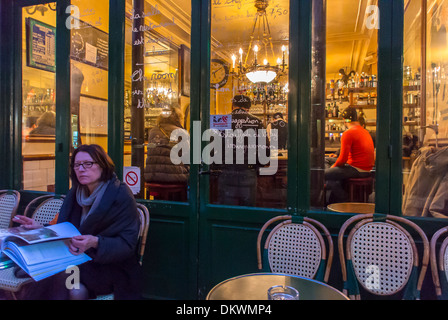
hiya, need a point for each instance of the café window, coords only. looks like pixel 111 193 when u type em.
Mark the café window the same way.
pixel 157 95
pixel 88 85
pixel 343 105
pixel 38 96
pixel 249 103
pixel 425 109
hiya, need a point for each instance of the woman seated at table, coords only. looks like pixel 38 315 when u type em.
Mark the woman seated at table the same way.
pixel 105 212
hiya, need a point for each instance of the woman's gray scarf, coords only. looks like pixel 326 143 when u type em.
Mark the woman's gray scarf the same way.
pixel 89 203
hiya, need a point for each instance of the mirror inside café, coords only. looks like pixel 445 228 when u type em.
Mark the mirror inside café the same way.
pixel 425 109
pixel 157 97
pixel 343 105
pixel 248 103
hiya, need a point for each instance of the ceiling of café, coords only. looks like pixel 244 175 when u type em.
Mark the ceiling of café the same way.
pixel 350 44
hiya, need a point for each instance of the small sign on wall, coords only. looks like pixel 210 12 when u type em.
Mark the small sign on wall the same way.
pixel 131 176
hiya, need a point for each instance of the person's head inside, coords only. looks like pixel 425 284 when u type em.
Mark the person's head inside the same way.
pixel 90 165
pixel 171 114
pixel 241 102
pixel 47 119
pixel 350 116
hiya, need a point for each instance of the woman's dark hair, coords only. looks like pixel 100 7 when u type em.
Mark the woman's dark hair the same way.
pixel 99 156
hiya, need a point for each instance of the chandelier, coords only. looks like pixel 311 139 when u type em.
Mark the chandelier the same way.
pixel 261 47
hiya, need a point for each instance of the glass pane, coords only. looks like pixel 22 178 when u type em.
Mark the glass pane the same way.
pixel 425 121
pixel 343 114
pixel 38 96
pixel 248 103
pixel 157 95
pixel 89 72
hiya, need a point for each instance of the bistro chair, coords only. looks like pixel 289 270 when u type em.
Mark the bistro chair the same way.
pixel 143 233
pixel 295 246
pixel 9 202
pixel 43 209
pixel 381 256
pixel 439 263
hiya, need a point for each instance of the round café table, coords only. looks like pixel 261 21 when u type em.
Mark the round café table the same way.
pixel 352 207
pixel 255 286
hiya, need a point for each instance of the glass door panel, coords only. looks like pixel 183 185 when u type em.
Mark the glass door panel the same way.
pixel 344 110
pixel 248 104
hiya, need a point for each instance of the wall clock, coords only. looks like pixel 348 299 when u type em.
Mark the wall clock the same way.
pixel 219 73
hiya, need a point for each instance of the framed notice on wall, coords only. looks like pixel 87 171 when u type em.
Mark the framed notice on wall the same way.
pixel 40 45
pixel 90 45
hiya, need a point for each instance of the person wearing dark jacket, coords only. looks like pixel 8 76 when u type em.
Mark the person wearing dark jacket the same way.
pixel 237 182
pixel 46 124
pixel 159 166
pixel 105 212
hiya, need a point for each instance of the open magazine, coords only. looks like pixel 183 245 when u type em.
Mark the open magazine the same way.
pixel 42 252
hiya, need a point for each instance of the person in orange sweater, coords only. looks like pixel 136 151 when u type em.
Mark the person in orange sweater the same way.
pixel 356 157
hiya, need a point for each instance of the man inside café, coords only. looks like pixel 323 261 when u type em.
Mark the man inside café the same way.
pixel 356 157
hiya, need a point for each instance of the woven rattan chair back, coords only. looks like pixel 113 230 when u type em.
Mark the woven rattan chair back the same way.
pixel 439 262
pixel 296 248
pixel 144 227
pixel 44 209
pixel 9 202
pixel 143 233
pixel 382 253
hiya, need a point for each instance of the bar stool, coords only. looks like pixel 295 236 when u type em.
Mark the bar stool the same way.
pixel 360 188
pixel 169 192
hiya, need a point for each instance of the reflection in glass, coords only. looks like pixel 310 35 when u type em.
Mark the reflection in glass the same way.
pixel 89 64
pixel 425 127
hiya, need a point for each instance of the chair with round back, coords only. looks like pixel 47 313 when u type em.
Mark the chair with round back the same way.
pixel 45 208
pixel 295 246
pixel 9 202
pixel 381 256
pixel 439 262
pixel 143 233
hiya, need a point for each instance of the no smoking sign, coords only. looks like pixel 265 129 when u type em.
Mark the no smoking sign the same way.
pixel 131 176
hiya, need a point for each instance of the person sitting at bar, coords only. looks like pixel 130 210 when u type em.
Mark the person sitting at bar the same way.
pixel 105 212
pixel 356 158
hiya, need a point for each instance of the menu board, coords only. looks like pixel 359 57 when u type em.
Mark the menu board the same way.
pixel 90 45
pixel 41 45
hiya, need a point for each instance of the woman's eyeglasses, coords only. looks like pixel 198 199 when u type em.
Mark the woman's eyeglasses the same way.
pixel 85 165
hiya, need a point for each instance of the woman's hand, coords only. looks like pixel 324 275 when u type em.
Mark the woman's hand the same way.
pixel 27 223
pixel 82 243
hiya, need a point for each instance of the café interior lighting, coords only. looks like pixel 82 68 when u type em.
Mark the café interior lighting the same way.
pixel 255 72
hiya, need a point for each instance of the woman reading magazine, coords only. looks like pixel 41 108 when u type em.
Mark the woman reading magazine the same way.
pixel 104 211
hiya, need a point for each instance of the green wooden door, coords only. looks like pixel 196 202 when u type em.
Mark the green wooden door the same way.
pixel 228 233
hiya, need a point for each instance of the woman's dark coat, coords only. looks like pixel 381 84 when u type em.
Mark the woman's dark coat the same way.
pixel 116 224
